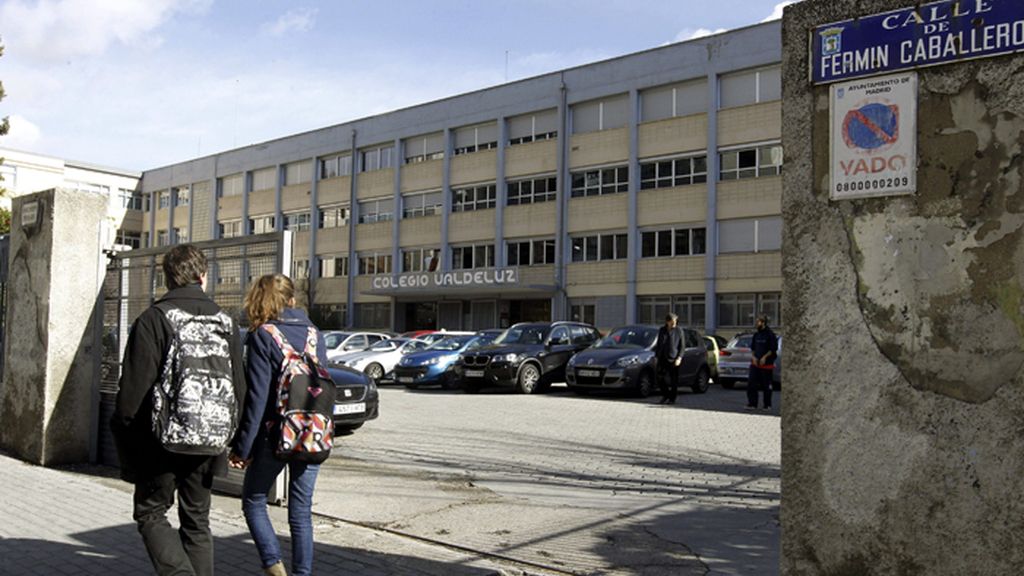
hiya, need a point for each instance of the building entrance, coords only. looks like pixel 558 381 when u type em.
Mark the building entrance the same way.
pixel 421 316
pixel 529 311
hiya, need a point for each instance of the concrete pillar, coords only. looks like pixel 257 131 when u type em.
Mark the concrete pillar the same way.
pixel 50 391
pixel 903 420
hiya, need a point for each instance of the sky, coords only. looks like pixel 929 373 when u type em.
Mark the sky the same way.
pixel 139 84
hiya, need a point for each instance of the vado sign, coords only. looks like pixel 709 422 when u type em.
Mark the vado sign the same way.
pixel 463 278
pixel 873 136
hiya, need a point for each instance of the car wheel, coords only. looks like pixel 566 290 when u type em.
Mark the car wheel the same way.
pixel 375 371
pixel 726 383
pixel 700 384
pixel 529 379
pixel 644 384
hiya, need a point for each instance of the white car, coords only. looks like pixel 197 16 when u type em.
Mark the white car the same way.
pixel 342 342
pixel 379 360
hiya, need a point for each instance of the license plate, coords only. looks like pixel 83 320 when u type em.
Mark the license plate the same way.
pixel 474 373
pixel 350 408
pixel 589 373
pixel 405 379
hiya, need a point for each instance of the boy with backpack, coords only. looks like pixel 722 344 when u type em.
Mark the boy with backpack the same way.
pixel 181 390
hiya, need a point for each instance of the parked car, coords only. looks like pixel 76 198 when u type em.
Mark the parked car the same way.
pixel 357 401
pixel 442 334
pixel 714 345
pixel 624 360
pixel 527 356
pixel 379 360
pixel 341 342
pixel 416 333
pixel 435 364
pixel 734 362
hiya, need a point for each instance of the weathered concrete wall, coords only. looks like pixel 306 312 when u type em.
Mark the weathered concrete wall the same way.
pixel 47 399
pixel 903 427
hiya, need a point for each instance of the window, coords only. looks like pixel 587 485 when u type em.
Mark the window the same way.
pixel 419 260
pixel 300 268
pixel 377 158
pixel 689 308
pixel 611 180
pixel 130 199
pixel 159 281
pixel 262 224
pixel 674 100
pixel 583 311
pixel 229 272
pixel 673 172
pixel 229 229
pixel 334 216
pixel 335 166
pixel 423 148
pixel 474 198
pixel 162 238
pixel 163 199
pixel 751 162
pixel 542 189
pixel 328 316
pixel 750 235
pixel 750 87
pixel 737 310
pixel 599 247
pixel 181 195
pixel 476 138
pixel 371 264
pixel 533 127
pixel 673 242
pixel 297 222
pixel 130 239
pixel 473 256
pixel 180 235
pixel 373 315
pixel 264 179
pixel 531 252
pixel 333 266
pixel 380 210
pixel 232 185
pixel 415 205
pixel 298 172
pixel 604 114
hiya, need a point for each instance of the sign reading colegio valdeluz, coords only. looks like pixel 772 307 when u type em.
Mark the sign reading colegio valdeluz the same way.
pixel 923 35
pixel 456 279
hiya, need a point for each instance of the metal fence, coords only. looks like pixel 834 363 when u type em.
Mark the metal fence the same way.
pixel 134 281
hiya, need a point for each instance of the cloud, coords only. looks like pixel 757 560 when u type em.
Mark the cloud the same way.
pixel 22 135
pixel 301 20
pixel 691 34
pixel 60 30
pixel 777 11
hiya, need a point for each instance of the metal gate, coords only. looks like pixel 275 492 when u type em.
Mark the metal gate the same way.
pixel 134 281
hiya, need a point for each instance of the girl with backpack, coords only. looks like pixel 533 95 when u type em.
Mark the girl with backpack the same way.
pixel 278 331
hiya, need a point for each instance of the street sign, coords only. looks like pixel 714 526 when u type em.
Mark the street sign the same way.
pixel 924 35
pixel 873 137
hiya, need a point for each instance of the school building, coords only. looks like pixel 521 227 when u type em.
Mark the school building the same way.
pixel 611 193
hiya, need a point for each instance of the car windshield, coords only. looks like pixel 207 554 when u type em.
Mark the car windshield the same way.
pixel 481 340
pixel 631 337
pixel 740 342
pixel 335 339
pixel 450 343
pixel 384 345
pixel 530 334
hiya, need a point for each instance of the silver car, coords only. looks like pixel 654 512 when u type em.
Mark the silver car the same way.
pixel 342 342
pixel 378 361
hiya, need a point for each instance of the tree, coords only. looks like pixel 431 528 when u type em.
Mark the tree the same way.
pixel 5 221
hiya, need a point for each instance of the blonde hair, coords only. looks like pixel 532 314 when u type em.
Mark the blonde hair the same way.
pixel 267 298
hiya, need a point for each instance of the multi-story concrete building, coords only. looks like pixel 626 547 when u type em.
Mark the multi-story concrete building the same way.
pixel 611 192
pixel 25 172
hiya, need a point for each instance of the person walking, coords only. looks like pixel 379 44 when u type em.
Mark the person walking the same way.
pixel 270 305
pixel 668 352
pixel 764 346
pixel 166 446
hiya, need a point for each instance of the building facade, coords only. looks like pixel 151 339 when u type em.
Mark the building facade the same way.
pixel 26 172
pixel 611 193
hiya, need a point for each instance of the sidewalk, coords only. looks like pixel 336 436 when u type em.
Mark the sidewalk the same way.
pixel 77 521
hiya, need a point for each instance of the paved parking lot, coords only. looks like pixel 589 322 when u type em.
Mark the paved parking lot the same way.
pixel 587 485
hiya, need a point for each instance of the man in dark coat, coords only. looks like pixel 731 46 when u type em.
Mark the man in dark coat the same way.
pixel 668 351
pixel 764 346
pixel 156 472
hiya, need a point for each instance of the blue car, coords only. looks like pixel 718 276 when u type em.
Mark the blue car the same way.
pixel 433 365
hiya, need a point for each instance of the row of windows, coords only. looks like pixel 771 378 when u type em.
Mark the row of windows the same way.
pixel 474 198
pixel 473 256
pixel 531 252
pixel 599 247
pixel 673 242
pixel 532 191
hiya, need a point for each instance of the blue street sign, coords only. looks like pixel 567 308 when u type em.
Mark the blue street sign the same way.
pixel 926 35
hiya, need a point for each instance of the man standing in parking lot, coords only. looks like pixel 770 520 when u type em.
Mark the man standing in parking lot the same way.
pixel 668 351
pixel 763 348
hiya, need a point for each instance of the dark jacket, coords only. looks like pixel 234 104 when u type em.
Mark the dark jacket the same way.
pixel 263 370
pixel 150 337
pixel 763 342
pixel 669 345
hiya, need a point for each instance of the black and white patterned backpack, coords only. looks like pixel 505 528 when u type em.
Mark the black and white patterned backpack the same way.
pixel 194 406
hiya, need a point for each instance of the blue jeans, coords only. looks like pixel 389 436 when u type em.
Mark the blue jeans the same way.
pixel 259 477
